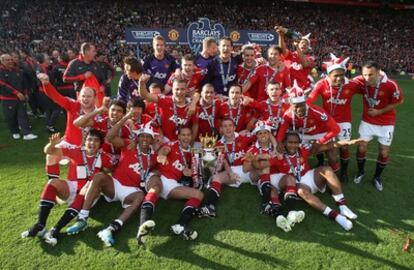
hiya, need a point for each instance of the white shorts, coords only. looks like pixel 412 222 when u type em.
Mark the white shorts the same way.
pixel 275 179
pixel 167 186
pixel 121 192
pixel 147 181
pixel 73 191
pixel 308 138
pixel 383 133
pixel 244 176
pixel 346 131
pixel 309 180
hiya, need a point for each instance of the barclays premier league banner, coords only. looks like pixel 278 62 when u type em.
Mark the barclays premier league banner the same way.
pixel 195 32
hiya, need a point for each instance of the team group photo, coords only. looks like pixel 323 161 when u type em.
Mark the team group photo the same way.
pixel 206 135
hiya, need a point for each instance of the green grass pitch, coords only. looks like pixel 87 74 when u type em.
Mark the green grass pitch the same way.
pixel 239 238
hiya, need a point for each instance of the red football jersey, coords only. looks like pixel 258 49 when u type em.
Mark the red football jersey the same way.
pixel 255 149
pixel 131 168
pixel 297 71
pixel 193 84
pixel 243 75
pixel 317 121
pixel 264 75
pixel 73 134
pixel 286 167
pixel 388 93
pixel 103 124
pixel 241 114
pixel 241 144
pixel 171 122
pixel 208 116
pixel 127 132
pixel 270 113
pixel 151 109
pixel 80 171
pixel 176 161
pixel 337 101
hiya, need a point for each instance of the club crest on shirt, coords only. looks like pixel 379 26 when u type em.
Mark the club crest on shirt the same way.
pixel 396 94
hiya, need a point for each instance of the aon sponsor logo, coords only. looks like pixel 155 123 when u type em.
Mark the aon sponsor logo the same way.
pixel 302 167
pixel 337 101
pixel 297 66
pixel 180 121
pixel 160 75
pixel 178 165
pixel 231 78
pixel 136 167
pixel 239 155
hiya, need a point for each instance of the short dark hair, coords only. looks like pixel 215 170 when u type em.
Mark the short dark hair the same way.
pixel 135 64
pixel 96 133
pixel 188 57
pixel 74 50
pixel 237 85
pixel 371 64
pixel 246 47
pixel 64 57
pixel 276 47
pixel 182 128
pixel 208 41
pixel 227 39
pixel 292 133
pixel 40 58
pixel 119 103
pixel 227 119
pixel 138 103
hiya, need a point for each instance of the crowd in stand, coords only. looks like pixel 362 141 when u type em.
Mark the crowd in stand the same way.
pixel 43 26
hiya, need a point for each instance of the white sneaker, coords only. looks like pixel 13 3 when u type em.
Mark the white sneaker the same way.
pixel 29 137
pixel 295 217
pixel 345 223
pixel 186 232
pixel 345 211
pixel 177 229
pixel 50 239
pixel 16 136
pixel 358 178
pixel 283 223
pixel 143 230
pixel 106 236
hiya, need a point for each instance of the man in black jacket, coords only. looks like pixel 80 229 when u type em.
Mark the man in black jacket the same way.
pixel 13 93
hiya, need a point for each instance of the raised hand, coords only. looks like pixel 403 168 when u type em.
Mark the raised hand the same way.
pixel 88 74
pixel 43 77
pixel 162 159
pixel 144 78
pixel 54 138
